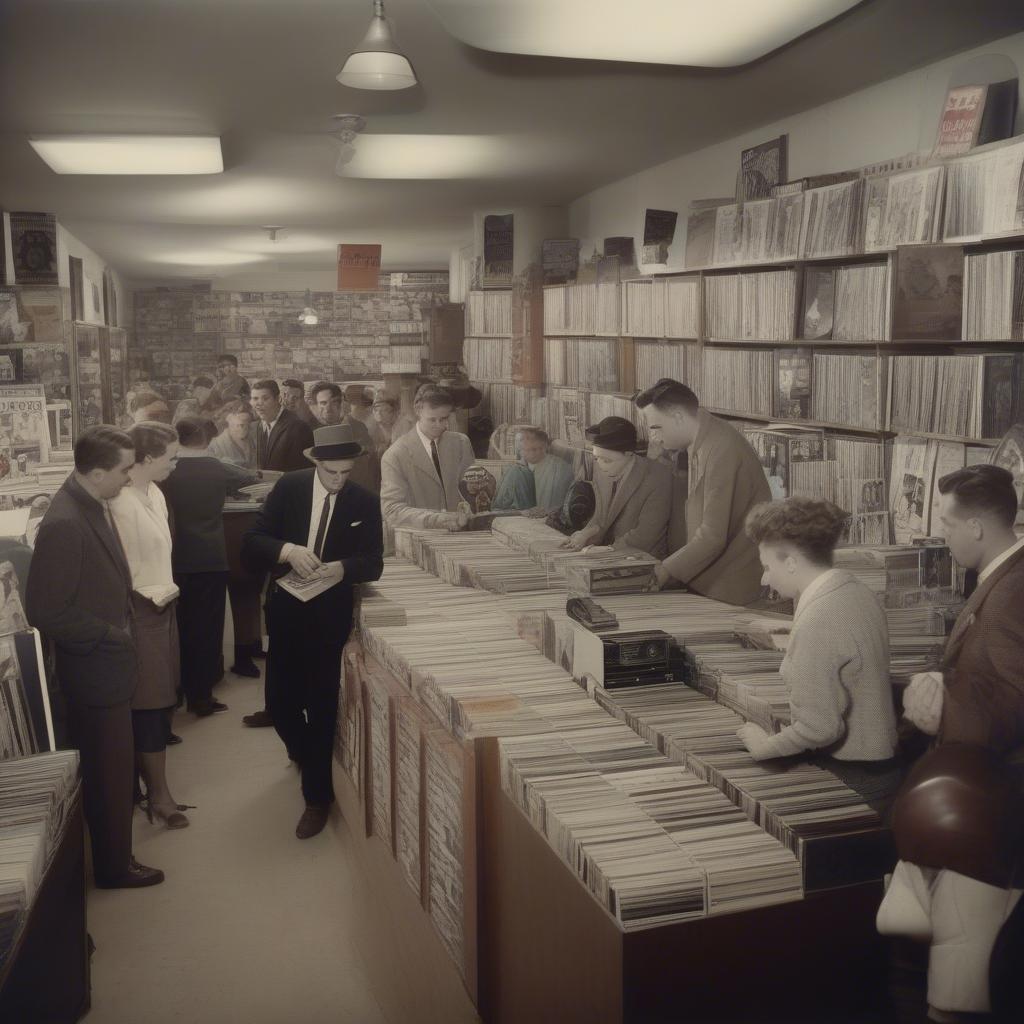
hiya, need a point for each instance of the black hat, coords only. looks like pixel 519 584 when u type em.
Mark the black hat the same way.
pixel 335 442
pixel 614 433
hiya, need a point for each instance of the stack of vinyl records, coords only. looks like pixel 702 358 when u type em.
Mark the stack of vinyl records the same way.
pixel 862 303
pixel 738 380
pixel 977 187
pixel 994 296
pixel 849 390
pixel 489 313
pixel 554 360
pixel 658 359
pixel 592 364
pixel 770 228
pixel 832 218
pixel 643 308
pixel 832 832
pixel 682 307
pixel 488 358
pixel 35 797
pixel 903 208
pixel 722 319
pixel 965 396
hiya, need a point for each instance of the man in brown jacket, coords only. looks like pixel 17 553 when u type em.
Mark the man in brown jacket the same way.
pixel 710 552
pixel 978 696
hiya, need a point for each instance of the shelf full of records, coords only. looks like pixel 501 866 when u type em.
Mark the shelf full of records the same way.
pixel 489 314
pixel 36 797
pixel 968 198
pixel 585 309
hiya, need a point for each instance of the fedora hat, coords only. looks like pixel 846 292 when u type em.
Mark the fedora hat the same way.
pixel 335 442
pixel 614 433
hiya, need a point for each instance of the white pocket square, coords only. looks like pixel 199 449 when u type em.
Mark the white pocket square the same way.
pixel 358 522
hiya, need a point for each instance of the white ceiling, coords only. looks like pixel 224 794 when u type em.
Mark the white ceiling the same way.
pixel 260 73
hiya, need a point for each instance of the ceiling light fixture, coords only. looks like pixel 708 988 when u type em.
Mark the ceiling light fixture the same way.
pixel 377 63
pixel 309 316
pixel 130 154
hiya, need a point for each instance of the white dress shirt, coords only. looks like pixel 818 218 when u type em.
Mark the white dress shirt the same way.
pixel 426 443
pixel 145 535
pixel 319 493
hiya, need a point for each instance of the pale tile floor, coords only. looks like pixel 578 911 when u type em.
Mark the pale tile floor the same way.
pixel 251 926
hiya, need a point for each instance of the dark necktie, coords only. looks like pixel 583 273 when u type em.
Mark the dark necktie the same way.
pixel 321 530
pixel 437 466
pixel 261 445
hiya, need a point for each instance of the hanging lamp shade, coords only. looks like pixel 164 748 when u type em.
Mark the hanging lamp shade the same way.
pixel 376 62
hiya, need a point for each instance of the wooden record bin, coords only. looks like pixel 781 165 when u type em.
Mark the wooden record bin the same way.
pixel 536 947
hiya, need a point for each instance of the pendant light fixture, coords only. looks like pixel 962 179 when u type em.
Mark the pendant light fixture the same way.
pixel 308 316
pixel 376 62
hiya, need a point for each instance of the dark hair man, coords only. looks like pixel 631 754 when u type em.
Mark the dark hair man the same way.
pixel 79 596
pixel 709 550
pixel 978 695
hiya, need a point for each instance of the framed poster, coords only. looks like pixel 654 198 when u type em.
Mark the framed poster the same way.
pixel 34 248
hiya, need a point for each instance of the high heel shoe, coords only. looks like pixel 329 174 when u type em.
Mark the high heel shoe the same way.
pixel 173 819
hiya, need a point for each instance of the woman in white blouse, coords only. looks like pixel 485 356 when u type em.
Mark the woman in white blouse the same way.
pixel 140 514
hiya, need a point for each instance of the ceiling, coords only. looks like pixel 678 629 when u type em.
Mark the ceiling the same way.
pixel 260 73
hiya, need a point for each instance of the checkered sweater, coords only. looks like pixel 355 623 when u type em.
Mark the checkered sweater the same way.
pixel 837 669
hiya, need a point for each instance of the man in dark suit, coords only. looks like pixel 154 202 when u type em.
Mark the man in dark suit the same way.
pixel 79 596
pixel 319 528
pixel 281 437
pixel 195 494
pixel 978 696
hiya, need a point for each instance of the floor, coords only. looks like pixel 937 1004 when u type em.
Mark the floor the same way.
pixel 251 926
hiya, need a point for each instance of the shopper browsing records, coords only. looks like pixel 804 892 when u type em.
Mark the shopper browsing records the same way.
pixel 195 494
pixel 319 530
pixel 540 482
pixel 709 552
pixel 422 469
pixel 293 398
pixel 147 407
pixel 837 662
pixel 79 596
pixel 977 696
pixel 140 515
pixel 230 386
pixel 634 495
pixel 387 426
pixel 235 442
pixel 280 436
pixel 330 408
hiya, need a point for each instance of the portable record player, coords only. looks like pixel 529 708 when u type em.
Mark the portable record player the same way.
pixel 626 658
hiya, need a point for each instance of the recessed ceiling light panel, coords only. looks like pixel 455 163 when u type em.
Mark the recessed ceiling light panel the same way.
pixel 428 156
pixel 726 33
pixel 130 154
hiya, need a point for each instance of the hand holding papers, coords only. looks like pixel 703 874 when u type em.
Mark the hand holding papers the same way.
pixel 313 584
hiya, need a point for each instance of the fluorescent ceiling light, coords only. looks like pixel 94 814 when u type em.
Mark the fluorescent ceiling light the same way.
pixel 210 258
pixel 726 33
pixel 428 156
pixel 376 62
pixel 130 154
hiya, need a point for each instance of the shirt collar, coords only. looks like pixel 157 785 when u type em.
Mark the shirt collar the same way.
pixel 320 492
pixel 999 559
pixel 424 439
pixel 193 453
pixel 812 589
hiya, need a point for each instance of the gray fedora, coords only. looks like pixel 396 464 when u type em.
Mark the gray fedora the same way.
pixel 335 442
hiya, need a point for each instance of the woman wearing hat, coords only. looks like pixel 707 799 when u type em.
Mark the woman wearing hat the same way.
pixel 324 531
pixel 634 495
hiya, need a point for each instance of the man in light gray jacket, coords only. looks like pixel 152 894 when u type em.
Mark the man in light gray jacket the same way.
pixel 420 472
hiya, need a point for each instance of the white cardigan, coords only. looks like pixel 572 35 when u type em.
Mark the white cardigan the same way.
pixel 145 534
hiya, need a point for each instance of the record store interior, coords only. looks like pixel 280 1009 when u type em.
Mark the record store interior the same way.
pixel 511 511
